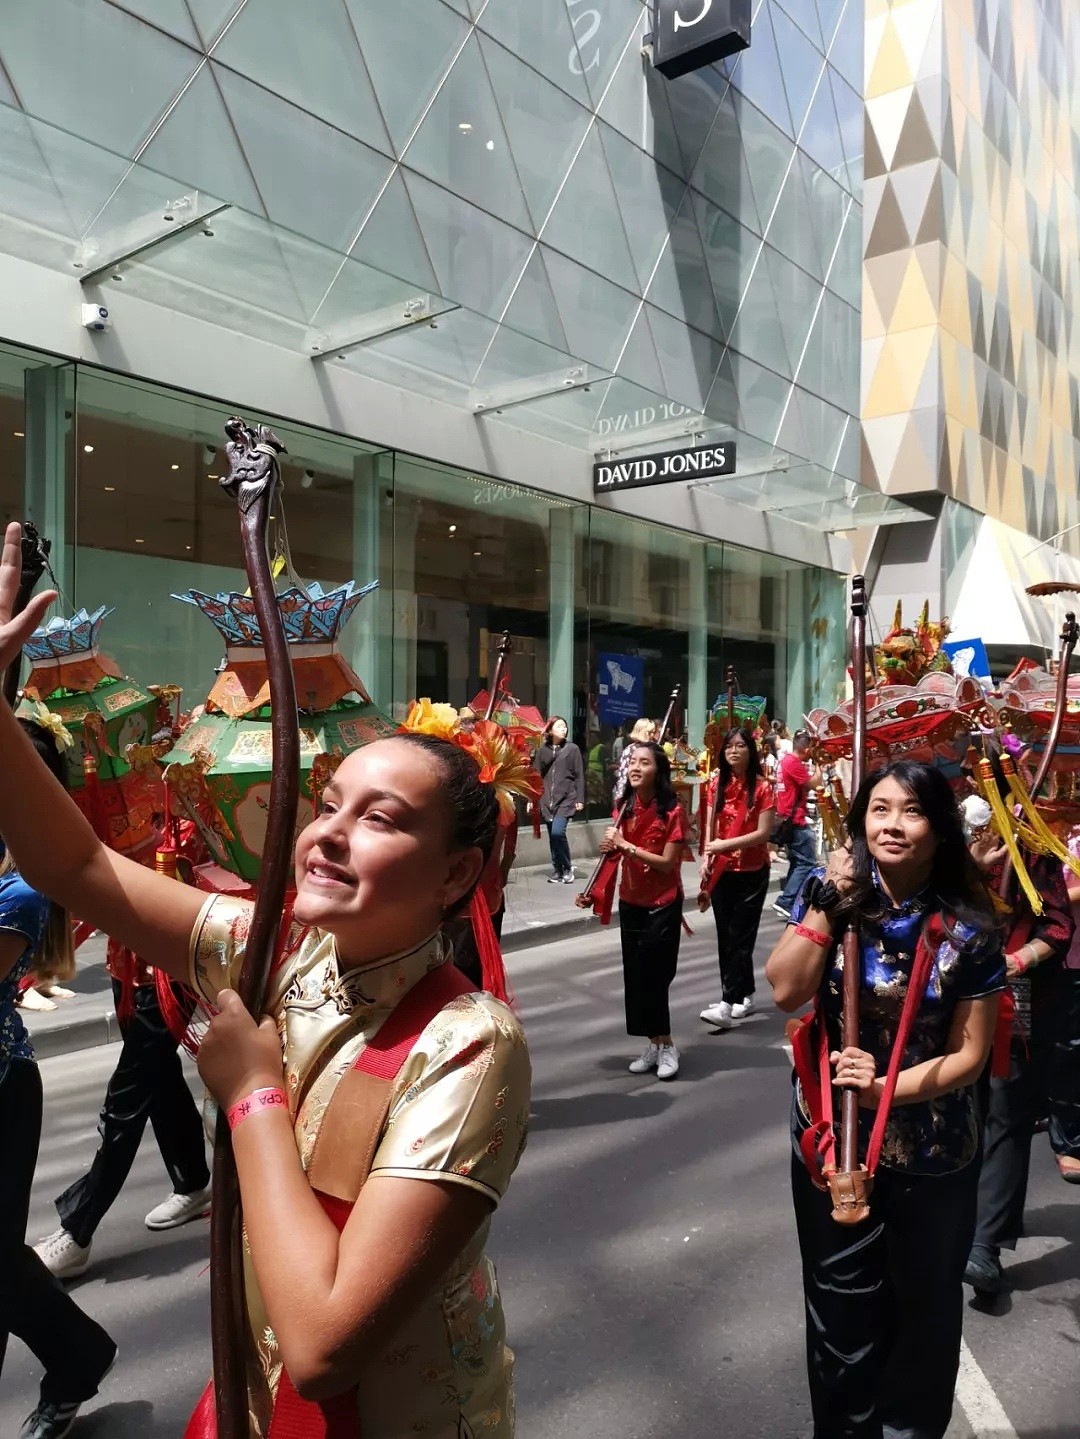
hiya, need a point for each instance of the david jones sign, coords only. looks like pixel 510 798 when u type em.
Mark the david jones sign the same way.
pixel 689 34
pixel 705 462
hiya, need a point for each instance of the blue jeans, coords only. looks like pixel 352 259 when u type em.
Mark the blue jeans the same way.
pixel 802 857
pixel 560 845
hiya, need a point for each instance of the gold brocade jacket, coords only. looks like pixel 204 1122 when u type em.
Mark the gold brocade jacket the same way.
pixel 458 1113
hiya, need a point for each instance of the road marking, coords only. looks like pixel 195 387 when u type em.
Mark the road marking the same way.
pixel 980 1404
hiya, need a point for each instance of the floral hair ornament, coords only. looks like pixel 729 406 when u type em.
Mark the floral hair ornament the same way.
pixel 503 762
pixel 40 715
pixel 432 719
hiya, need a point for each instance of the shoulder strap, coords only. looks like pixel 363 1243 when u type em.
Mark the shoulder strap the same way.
pixel 356 1116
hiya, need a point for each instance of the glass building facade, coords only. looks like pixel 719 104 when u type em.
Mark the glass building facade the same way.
pixel 456 251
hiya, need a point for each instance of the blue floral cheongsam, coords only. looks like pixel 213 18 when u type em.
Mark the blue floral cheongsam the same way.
pixel 23 912
pixel 941 1134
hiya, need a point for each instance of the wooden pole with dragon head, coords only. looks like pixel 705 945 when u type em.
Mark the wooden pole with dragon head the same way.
pixel 35 561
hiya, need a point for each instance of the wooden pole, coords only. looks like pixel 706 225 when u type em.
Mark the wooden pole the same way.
pixel 35 561
pixel 506 646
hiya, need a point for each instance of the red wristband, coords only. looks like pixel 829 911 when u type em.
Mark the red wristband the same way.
pixel 257 1100
pixel 821 940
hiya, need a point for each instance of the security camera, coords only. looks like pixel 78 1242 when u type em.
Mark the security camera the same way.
pixel 308 480
pixel 95 317
pixel 209 452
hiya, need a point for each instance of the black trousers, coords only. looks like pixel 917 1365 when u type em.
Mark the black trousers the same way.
pixel 1010 1107
pixel 884 1304
pixel 650 957
pixel 35 1307
pixel 737 901
pixel 1063 1081
pixel 147 1084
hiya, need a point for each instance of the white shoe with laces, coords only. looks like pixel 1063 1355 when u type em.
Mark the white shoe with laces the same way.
pixel 648 1060
pixel 668 1066
pixel 744 1009
pixel 179 1209
pixel 61 1256
pixel 718 1015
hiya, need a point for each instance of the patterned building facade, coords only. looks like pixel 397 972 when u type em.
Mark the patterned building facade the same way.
pixel 971 341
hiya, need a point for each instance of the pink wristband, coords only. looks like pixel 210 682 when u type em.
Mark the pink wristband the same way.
pixel 257 1100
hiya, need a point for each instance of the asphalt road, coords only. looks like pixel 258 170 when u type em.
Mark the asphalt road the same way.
pixel 646 1248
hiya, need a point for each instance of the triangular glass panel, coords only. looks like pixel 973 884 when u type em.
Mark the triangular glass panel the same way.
pixel 649 198
pixel 769 154
pixel 757 331
pixel 788 230
pixel 170 15
pixel 513 357
pixel 210 16
pixel 325 198
pixel 762 396
pixel 596 314
pixel 791 434
pixel 31 194
pixel 645 119
pixel 848 45
pixel 824 427
pixel 723 401
pixel 801 65
pixel 455 350
pixel 851 115
pixel 797 296
pixel 586 223
pixel 805 15
pixel 639 362
pixel 544 126
pixel 462 144
pixel 828 204
pixel 85 175
pixel 695 100
pixel 108 82
pixel 353 290
pixel 829 17
pixel 682 284
pixel 197 146
pixel 602 31
pixel 533 310
pixel 758 75
pixel 846 274
pixel 820 136
pixel 477 258
pixel 316 65
pixel 722 173
pixel 404 85
pixel 542 34
pixel 391 240
pixel 689 360
pixel 730 253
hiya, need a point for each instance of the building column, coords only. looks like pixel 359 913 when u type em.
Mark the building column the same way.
pixel 403 649
pixel 45 482
pixel 368 641
pixel 697 690
pixel 793 652
pixel 562 555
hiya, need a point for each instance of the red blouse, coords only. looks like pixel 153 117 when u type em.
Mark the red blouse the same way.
pixel 652 832
pixel 728 826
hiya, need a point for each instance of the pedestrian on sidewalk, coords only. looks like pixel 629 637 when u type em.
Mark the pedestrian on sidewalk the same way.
pixel 735 871
pixel 645 731
pixel 650 842
pixel 793 833
pixel 371 1304
pixel 147 1084
pixel 884 1297
pixel 559 761
pixel 75 1351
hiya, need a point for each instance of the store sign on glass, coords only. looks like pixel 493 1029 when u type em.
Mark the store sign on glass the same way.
pixel 689 34
pixel 705 462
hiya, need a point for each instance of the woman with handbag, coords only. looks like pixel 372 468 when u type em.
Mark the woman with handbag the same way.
pixel 735 874
pixel 378 1110
pixel 884 1297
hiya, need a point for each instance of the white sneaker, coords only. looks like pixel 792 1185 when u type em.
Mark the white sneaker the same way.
pixel 61 1256
pixel 718 1015
pixel 740 1011
pixel 179 1209
pixel 668 1066
pixel 569 877
pixel 648 1060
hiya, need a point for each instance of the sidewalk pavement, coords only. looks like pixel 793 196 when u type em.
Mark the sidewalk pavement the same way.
pixel 536 913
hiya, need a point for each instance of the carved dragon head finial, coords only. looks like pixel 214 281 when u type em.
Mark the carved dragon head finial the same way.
pixel 252 453
pixel 35 554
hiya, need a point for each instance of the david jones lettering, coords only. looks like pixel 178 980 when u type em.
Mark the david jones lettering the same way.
pixel 670 467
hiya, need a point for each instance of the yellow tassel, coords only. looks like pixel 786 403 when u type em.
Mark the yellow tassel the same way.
pixel 831 824
pixel 1003 823
pixel 1048 842
pixel 839 797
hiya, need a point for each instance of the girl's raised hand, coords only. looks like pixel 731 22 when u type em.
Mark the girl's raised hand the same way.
pixel 15 632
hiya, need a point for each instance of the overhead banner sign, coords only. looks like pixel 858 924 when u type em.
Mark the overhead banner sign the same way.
pixel 703 462
pixel 620 684
pixel 689 34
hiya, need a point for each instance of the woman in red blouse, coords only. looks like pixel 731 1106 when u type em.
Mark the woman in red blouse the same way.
pixel 736 871
pixel 651 843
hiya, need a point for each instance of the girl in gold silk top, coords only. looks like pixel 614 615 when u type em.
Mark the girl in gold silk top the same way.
pixel 400 1310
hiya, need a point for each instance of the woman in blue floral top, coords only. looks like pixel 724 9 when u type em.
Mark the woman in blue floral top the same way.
pixel 884 1298
pixel 75 1352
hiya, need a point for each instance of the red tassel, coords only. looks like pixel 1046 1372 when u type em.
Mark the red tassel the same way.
pixel 492 970
pixel 123 966
pixel 603 891
pixel 534 815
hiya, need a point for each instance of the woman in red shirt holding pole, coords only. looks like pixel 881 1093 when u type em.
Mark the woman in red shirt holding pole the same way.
pixel 650 841
pixel 735 874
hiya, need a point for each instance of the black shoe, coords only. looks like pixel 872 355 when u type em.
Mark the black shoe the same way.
pixel 52 1419
pixel 984 1272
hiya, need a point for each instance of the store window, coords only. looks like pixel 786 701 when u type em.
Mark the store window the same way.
pixel 12 434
